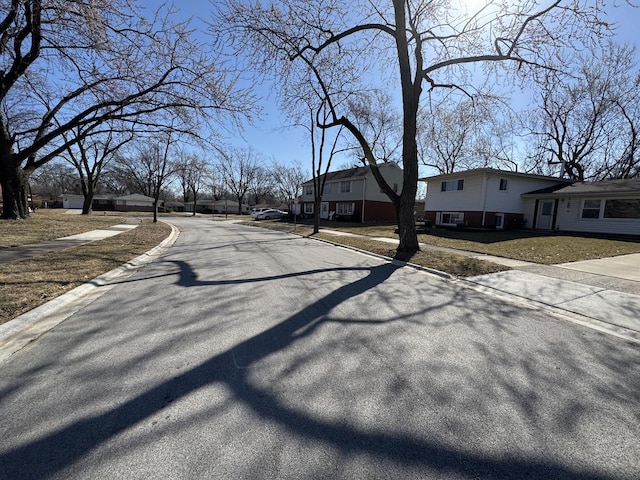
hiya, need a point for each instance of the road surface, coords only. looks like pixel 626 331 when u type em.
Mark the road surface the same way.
pixel 243 353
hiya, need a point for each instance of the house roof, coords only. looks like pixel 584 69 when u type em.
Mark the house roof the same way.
pixel 623 186
pixel 495 172
pixel 355 172
pixel 134 196
pixel 110 196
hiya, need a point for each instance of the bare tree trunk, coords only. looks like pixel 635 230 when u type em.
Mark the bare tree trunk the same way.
pixel 88 193
pixel 87 205
pixel 316 214
pixel 14 183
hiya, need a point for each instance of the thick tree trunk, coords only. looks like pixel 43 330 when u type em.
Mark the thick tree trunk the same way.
pixel 411 90
pixel 87 204
pixel 316 215
pixel 408 237
pixel 14 183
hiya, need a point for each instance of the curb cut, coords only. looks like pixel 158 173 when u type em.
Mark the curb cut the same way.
pixel 26 328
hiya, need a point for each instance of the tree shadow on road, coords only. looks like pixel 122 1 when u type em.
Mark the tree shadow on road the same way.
pixel 233 368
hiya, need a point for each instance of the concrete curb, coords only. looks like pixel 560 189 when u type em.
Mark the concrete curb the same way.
pixel 564 314
pixel 26 328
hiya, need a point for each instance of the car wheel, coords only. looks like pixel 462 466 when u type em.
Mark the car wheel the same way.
pixel 267 218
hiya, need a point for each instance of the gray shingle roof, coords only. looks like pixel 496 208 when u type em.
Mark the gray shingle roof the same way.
pixel 605 187
pixel 355 172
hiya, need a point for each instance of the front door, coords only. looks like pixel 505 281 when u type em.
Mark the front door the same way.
pixel 545 215
pixel 324 210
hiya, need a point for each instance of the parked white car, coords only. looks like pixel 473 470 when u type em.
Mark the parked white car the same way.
pixel 256 211
pixel 270 214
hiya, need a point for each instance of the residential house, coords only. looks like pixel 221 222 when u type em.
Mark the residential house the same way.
pixel 122 203
pixel 609 206
pixel 484 198
pixel 354 194
pixel 211 206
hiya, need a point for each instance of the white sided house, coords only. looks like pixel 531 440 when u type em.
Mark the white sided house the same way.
pixel 354 195
pixel 484 198
pixel 605 207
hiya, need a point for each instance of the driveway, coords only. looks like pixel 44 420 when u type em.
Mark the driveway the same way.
pixel 250 354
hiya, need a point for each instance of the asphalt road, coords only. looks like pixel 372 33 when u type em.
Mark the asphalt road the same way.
pixel 243 353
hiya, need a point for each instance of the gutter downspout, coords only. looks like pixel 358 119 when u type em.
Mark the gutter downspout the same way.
pixel 483 196
pixel 364 190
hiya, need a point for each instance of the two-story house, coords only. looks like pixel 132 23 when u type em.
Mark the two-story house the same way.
pixel 488 198
pixel 354 195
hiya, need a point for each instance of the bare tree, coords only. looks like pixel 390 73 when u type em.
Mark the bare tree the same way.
pixel 191 171
pixel 237 170
pixel 149 168
pixel 261 184
pixel 323 148
pixel 288 180
pixel 583 116
pixel 445 135
pixel 422 44
pixel 90 152
pixel 54 179
pixel 377 120
pixel 459 132
pixel 214 184
pixel 110 63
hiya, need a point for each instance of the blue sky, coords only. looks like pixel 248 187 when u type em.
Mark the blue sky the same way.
pixel 270 134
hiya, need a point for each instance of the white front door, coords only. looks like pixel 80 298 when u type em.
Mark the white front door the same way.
pixel 324 210
pixel 545 215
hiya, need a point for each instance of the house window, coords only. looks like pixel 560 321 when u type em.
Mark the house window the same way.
pixel 503 184
pixel 344 208
pixel 345 187
pixel 622 208
pixel 308 208
pixel 452 218
pixel 308 190
pixel 451 185
pixel 326 189
pixel 591 209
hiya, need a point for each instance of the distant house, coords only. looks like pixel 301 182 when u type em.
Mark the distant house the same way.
pixel 213 206
pixel 484 198
pixel 120 203
pixel 609 206
pixel 354 194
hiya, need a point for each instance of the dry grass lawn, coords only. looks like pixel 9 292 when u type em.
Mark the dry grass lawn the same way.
pixel 530 246
pixel 27 284
pixel 47 224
